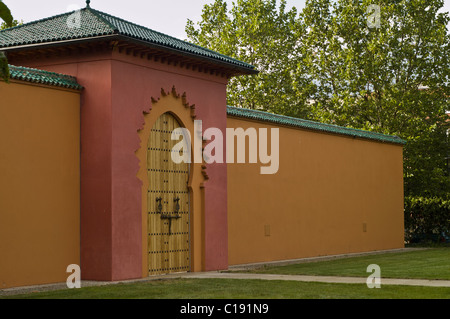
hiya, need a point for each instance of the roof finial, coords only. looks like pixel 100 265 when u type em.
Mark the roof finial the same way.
pixel 88 2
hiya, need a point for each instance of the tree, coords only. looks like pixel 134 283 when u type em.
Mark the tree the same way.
pixel 339 62
pixel 265 35
pixel 392 78
pixel 5 15
pixel 15 23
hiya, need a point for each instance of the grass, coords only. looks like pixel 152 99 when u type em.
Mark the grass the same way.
pixel 241 289
pixel 421 264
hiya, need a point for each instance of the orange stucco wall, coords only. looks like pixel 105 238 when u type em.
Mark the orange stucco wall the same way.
pixel 39 183
pixel 331 195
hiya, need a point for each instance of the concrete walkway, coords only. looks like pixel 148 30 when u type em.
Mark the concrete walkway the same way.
pixel 325 279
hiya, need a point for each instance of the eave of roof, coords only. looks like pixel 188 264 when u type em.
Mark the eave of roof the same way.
pixel 43 77
pixel 311 125
pixel 95 24
pixel 132 30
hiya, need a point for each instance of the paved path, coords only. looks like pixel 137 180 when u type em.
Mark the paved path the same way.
pixel 326 279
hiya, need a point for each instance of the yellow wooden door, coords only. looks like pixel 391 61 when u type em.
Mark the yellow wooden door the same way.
pixel 167 202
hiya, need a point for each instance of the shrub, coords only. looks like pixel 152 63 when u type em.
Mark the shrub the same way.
pixel 427 219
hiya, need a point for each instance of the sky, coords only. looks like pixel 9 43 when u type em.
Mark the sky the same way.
pixel 166 16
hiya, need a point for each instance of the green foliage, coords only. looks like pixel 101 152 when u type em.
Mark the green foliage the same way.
pixel 15 23
pixel 394 79
pixel 426 219
pixel 5 15
pixel 371 78
pixel 265 35
pixel 328 64
pixel 425 166
pixel 4 68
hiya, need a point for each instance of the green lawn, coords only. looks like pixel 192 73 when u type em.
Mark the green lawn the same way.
pixel 242 289
pixel 422 264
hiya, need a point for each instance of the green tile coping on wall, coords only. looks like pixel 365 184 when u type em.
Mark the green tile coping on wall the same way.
pixel 310 125
pixel 43 77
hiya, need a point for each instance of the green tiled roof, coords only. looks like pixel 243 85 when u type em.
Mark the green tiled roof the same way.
pixel 43 77
pixel 94 23
pixel 310 125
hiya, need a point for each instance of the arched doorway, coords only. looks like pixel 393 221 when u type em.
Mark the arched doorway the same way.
pixel 168 202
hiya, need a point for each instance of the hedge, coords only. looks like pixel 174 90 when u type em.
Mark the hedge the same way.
pixel 427 219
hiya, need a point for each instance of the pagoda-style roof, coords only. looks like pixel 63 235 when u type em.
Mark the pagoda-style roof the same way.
pixel 89 25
